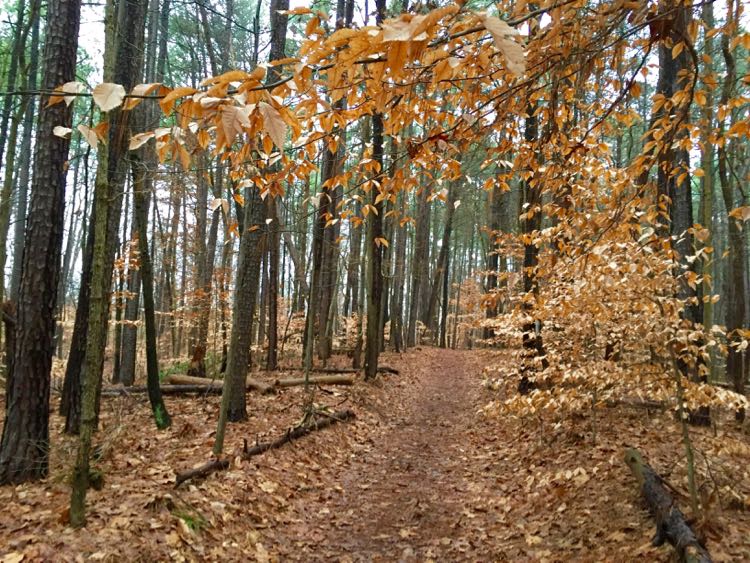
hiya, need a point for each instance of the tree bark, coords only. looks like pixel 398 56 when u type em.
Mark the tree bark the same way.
pixel 233 404
pixel 24 449
pixel 108 203
pixel 671 524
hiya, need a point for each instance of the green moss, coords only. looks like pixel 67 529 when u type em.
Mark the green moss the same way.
pixel 192 518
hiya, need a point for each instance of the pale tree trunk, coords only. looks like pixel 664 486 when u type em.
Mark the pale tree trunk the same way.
pixel 24 164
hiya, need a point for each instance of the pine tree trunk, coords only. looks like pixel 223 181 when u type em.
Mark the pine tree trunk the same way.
pixel 24 449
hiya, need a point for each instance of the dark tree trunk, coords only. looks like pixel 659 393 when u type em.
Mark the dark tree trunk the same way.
pixel 419 262
pixel 533 347
pixel 494 209
pixel 141 198
pixel 374 246
pixel 273 285
pixel 737 267
pixel 442 262
pixel 109 170
pixel 24 449
pixel 233 403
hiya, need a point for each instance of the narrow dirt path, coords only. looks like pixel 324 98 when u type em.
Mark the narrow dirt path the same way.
pixel 413 493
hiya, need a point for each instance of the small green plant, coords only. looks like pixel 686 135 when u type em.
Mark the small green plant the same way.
pixel 192 519
pixel 175 368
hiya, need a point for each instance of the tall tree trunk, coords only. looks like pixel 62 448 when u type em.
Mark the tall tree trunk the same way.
pixel 108 203
pixel 674 162
pixel 24 160
pixel 374 244
pixel 273 285
pixel 119 304
pixel 141 196
pixel 419 262
pixel 494 209
pixel 24 449
pixel 70 404
pixel 233 404
pixel 399 278
pixel 531 222
pixel 737 269
pixel 442 262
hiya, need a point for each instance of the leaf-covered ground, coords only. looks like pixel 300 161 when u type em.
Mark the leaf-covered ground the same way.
pixel 422 474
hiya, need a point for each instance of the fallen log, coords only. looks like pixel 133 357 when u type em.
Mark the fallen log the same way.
pixel 298 432
pixel 381 369
pixel 215 387
pixel 201 472
pixel 210 388
pixel 647 404
pixel 671 524
pixel 318 380
pixel 250 383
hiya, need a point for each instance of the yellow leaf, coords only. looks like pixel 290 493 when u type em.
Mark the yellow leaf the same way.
pixel 298 11
pixel 403 28
pixel 741 213
pixel 167 103
pixel 68 87
pixel 677 49
pixel 233 121
pixel 184 156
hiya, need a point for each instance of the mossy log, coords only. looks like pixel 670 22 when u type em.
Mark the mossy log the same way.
pixel 671 524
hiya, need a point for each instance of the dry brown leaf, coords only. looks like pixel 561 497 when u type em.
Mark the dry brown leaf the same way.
pixel 137 141
pixel 60 131
pixel 273 124
pixel 506 40
pixel 89 135
pixel 108 96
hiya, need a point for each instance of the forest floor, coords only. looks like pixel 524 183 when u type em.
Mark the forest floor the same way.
pixel 421 474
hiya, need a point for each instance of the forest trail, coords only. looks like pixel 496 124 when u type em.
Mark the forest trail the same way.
pixel 421 474
pixel 415 493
